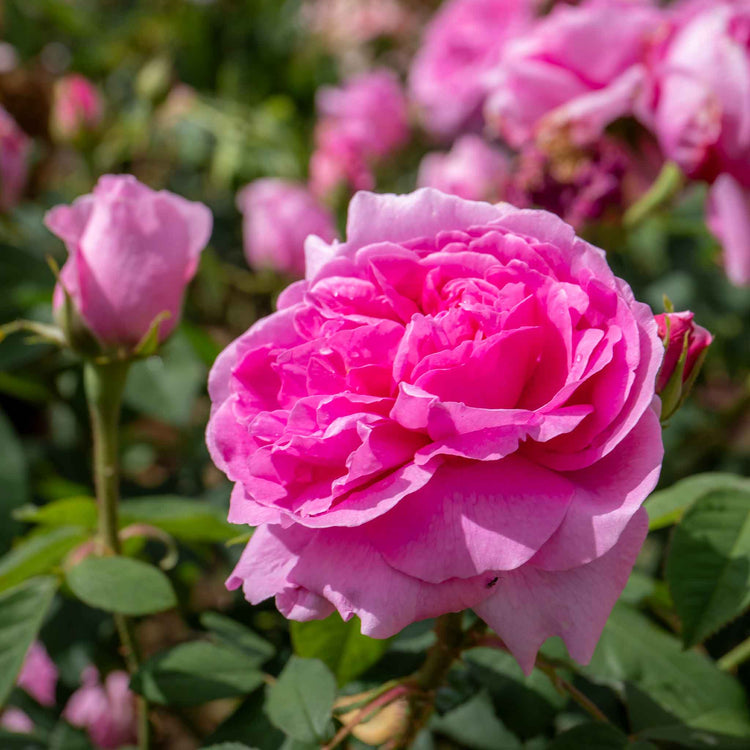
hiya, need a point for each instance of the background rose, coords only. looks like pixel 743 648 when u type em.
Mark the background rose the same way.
pixel 131 253
pixel 700 109
pixel 581 66
pixel 105 710
pixel 15 149
pixel 453 410
pixel 472 169
pixel 277 217
pixel 39 675
pixel 77 107
pixel 461 43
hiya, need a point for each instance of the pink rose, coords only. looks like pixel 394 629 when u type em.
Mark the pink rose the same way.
pixel 729 219
pixel 455 409
pixel 464 40
pixel 580 67
pixel 39 675
pixel 278 216
pixel 106 711
pixel 15 720
pixel 361 123
pixel 701 98
pixel 77 107
pixel 15 148
pixel 131 253
pixel 472 169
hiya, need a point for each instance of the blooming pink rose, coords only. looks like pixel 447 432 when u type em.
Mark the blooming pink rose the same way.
pixel 580 67
pixel 673 328
pixel 455 409
pixel 15 148
pixel 15 720
pixel 39 675
pixel 472 169
pixel 77 107
pixel 464 40
pixel 106 711
pixel 361 123
pixel 729 219
pixel 278 216
pixel 131 253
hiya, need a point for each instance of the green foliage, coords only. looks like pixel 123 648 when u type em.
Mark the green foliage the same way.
pixel 301 701
pixel 122 585
pixel 708 567
pixel 196 672
pixel 234 634
pixel 339 645
pixel 22 612
pixel 597 737
pixel 13 480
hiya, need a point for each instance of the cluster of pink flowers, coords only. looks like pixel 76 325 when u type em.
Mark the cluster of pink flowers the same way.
pixel 105 710
pixel 549 87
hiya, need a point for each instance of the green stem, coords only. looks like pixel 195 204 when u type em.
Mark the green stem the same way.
pixel 432 674
pixel 735 657
pixel 104 384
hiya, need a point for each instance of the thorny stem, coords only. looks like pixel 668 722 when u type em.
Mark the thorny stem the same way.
pixel 104 384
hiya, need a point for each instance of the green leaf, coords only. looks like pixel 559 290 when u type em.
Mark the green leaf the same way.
pixel 666 507
pixel 22 612
pixel 708 567
pixel 686 684
pixel 197 672
pixel 183 518
pixel 697 739
pixel 15 741
pixel 69 511
pixel 249 724
pixel 39 553
pixel 301 700
pixel 121 584
pixel 594 736
pixel 13 480
pixel 229 746
pixel 339 645
pixel 474 725
pixel 166 387
pixel 238 636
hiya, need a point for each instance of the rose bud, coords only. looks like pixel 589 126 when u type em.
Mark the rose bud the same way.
pixel 77 107
pixel 455 409
pixel 278 216
pixel 105 710
pixel 131 253
pixel 685 345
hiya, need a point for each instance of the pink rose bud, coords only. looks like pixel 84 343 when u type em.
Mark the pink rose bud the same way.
pixel 15 720
pixel 685 346
pixel 39 675
pixel 15 149
pixel 106 711
pixel 464 40
pixel 580 67
pixel 472 169
pixel 77 107
pixel 131 253
pixel 278 216
pixel 455 409
pixel 361 123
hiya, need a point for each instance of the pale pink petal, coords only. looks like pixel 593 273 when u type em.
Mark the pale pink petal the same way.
pixel 728 217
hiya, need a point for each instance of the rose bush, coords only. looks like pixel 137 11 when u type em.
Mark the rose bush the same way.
pixel 131 253
pixel 455 409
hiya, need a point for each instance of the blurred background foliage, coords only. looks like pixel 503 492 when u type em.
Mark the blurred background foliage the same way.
pixel 200 98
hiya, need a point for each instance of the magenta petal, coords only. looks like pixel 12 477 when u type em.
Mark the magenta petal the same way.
pixel 729 219
pixel 342 566
pixel 530 605
pixel 609 494
pixel 472 518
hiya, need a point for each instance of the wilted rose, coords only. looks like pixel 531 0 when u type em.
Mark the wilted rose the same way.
pixel 455 409
pixel 131 253
pixel 278 216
